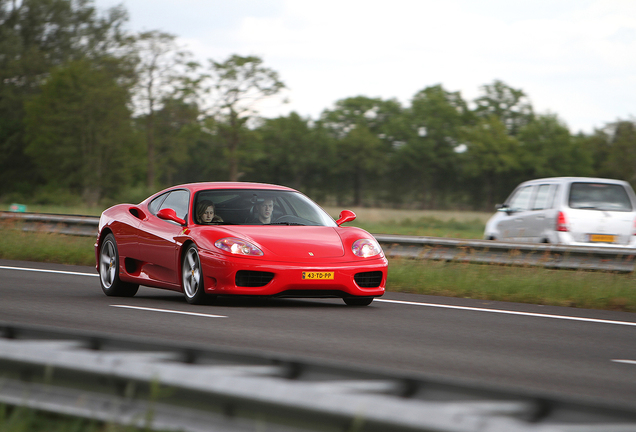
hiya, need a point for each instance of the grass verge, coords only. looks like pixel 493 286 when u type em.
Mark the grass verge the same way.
pixel 536 285
pixel 430 223
pixel 45 247
pixel 22 419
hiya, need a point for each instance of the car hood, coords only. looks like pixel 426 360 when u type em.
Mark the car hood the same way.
pixel 293 241
pixel 290 241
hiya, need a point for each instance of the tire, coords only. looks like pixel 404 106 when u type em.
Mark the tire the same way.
pixel 109 271
pixel 358 301
pixel 192 277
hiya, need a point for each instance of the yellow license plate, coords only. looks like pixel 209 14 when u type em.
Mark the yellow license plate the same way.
pixel 602 238
pixel 307 275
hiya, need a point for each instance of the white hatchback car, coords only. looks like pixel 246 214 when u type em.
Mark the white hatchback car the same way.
pixel 577 211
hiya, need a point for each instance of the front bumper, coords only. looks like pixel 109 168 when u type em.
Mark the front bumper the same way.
pixel 220 272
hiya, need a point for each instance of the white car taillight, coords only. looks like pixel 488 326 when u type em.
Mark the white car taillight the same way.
pixel 562 223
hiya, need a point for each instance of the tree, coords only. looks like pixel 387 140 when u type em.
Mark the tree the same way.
pixel 490 161
pixel 548 150
pixel 176 128
pixel 365 131
pixel 292 153
pixel 79 132
pixel 162 69
pixel 375 114
pixel 360 156
pixel 203 155
pixel 614 150
pixel 238 85
pixel 430 157
pixel 35 36
pixel 511 106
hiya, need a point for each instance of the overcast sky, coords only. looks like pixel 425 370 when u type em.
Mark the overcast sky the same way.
pixel 573 58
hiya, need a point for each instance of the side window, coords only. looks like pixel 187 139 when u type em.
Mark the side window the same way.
pixel 553 196
pixel 543 199
pixel 178 201
pixel 520 201
pixel 155 204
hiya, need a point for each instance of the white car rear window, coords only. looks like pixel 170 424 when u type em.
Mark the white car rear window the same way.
pixel 599 196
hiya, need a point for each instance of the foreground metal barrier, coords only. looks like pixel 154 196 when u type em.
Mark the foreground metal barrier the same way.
pixel 165 386
pixel 433 248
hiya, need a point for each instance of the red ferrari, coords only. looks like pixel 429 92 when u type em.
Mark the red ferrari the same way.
pixel 211 239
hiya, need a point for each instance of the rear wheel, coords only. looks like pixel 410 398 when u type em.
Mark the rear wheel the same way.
pixel 358 301
pixel 109 271
pixel 192 277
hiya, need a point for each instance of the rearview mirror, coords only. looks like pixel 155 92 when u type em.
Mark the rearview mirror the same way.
pixel 345 216
pixel 170 215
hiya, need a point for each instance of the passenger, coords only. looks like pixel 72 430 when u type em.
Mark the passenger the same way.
pixel 264 210
pixel 206 213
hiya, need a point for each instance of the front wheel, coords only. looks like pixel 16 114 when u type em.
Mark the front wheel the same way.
pixel 109 271
pixel 358 301
pixel 192 277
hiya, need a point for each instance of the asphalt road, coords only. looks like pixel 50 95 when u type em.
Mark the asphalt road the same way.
pixel 550 350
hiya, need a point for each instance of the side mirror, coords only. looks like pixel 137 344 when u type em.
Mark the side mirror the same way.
pixel 504 208
pixel 345 216
pixel 170 215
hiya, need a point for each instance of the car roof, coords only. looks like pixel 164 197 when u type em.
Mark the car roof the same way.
pixel 228 185
pixel 572 180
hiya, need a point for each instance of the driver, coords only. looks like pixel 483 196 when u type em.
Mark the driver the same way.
pixel 264 210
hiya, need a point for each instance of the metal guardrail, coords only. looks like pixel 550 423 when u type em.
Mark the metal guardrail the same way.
pixel 520 254
pixel 164 386
pixel 62 224
pixel 433 248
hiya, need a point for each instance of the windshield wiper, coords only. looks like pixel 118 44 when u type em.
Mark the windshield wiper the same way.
pixel 287 223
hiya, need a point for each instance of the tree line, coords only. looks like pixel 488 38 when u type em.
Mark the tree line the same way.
pixel 91 112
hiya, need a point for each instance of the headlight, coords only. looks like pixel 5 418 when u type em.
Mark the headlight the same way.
pixel 366 248
pixel 238 247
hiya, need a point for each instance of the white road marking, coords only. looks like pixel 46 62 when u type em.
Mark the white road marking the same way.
pixel 169 311
pixel 49 271
pixel 562 317
pixel 633 362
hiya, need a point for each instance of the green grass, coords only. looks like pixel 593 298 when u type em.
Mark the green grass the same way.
pixel 45 247
pixel 21 419
pixel 426 226
pixel 536 285
pixel 430 223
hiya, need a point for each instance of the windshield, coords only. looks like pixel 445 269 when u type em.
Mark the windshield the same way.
pixel 257 207
pixel 599 196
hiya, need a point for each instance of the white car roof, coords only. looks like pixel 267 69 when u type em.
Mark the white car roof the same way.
pixel 572 180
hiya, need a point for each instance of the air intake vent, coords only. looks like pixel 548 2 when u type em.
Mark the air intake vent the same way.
pixel 247 278
pixel 368 279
